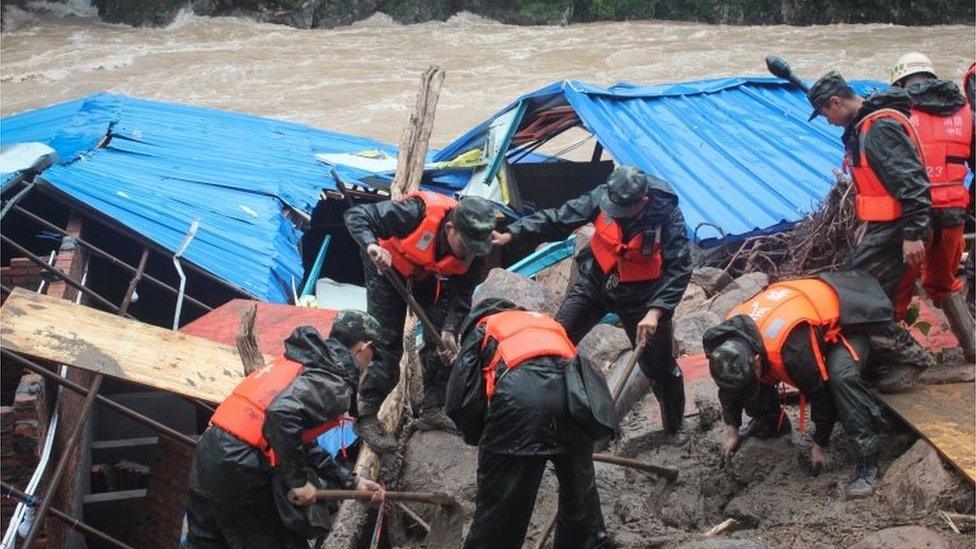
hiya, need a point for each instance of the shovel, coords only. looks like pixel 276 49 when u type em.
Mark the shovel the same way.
pixel 781 69
pixel 445 528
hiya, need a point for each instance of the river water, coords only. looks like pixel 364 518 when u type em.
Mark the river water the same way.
pixel 363 79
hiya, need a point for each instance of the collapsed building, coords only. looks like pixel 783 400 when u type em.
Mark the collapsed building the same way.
pixel 172 215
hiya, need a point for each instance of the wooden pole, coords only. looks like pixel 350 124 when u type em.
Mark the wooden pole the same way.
pixel 247 343
pixel 351 520
pixel 365 495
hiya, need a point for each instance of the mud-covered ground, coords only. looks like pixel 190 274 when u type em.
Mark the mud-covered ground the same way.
pixel 766 488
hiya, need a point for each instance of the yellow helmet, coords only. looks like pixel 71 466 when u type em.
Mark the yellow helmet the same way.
pixel 909 64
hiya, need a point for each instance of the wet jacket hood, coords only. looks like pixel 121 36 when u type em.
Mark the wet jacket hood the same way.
pixel 307 346
pixel 939 97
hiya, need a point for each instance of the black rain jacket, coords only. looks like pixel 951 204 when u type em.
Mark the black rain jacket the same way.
pixel 226 468
pixel 368 223
pixel 892 156
pixel 665 292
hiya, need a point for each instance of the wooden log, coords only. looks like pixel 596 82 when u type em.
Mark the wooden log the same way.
pixel 351 520
pixel 364 495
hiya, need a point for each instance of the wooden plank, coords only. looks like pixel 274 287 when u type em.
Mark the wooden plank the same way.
pixel 53 329
pixel 944 415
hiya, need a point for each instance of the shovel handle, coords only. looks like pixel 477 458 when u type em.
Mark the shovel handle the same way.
pixel 634 357
pixel 365 495
pixel 666 472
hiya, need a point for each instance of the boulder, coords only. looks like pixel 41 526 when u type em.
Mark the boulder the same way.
pixel 521 290
pixel 693 300
pixel 713 280
pixel 756 458
pixel 688 331
pixel 603 346
pixel 555 281
pixel 915 481
pixel 741 289
pixel 903 536
pixel 722 543
pixel 439 461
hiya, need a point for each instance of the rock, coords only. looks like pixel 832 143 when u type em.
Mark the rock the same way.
pixel 688 331
pixel 902 536
pixel 555 283
pixel 439 461
pixel 685 507
pixel 711 279
pixel 139 13
pixel 741 289
pixel 603 346
pixel 521 290
pixel 709 413
pixel 962 373
pixel 692 301
pixel 915 481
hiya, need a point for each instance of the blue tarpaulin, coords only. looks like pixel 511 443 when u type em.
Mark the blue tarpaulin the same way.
pixel 738 151
pixel 166 165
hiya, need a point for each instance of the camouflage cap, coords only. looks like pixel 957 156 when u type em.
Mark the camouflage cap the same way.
pixel 731 365
pixel 625 188
pixel 828 86
pixel 351 326
pixel 474 218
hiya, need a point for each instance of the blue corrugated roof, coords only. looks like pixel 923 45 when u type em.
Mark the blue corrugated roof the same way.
pixel 739 152
pixel 167 165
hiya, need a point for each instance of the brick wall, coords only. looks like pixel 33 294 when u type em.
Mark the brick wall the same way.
pixel 22 429
pixel 21 272
pixel 161 518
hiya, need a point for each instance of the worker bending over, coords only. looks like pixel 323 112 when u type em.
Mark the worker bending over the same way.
pixel 811 334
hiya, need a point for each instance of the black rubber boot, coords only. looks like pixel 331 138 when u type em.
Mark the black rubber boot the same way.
pixel 865 475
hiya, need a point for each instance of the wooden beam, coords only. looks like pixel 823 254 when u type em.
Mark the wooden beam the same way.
pixel 56 330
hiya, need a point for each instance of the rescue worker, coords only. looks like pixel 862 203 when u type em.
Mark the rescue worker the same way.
pixel 892 195
pixel 262 439
pixel 637 266
pixel 811 334
pixel 944 123
pixel 507 394
pixel 435 244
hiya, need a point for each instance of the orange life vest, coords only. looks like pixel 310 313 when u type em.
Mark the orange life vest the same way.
pixel 415 255
pixel 633 261
pixel 783 306
pixel 946 141
pixel 873 201
pixel 521 336
pixel 242 413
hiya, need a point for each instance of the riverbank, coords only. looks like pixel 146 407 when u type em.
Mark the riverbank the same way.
pixel 335 13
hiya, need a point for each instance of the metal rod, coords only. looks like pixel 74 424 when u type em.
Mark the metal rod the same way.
pixel 127 300
pixel 15 199
pixel 129 412
pixel 179 270
pixel 69 446
pixel 67 279
pixel 105 255
pixel 67 519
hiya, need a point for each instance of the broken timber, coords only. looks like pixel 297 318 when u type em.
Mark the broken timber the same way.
pixel 59 331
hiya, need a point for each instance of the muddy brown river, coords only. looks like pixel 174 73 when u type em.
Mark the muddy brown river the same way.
pixel 363 79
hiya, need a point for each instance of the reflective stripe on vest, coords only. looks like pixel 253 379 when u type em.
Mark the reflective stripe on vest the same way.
pixel 946 141
pixel 521 336
pixel 634 261
pixel 415 254
pixel 242 413
pixel 873 202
